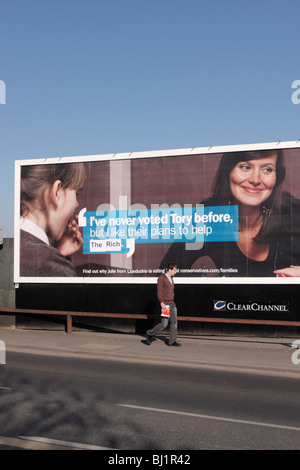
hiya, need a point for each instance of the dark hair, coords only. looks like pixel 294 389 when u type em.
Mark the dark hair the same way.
pixel 35 179
pixel 171 265
pixel 272 206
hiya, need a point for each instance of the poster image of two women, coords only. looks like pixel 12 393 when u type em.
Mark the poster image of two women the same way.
pixel 224 214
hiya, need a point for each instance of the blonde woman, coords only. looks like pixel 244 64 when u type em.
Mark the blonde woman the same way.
pixel 49 233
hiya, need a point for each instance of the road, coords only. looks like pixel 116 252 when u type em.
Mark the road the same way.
pixel 103 404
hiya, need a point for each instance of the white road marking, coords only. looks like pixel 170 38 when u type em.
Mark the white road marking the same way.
pixel 217 418
pixel 22 444
pixel 74 445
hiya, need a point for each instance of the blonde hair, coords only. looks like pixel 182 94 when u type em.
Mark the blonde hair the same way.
pixel 35 179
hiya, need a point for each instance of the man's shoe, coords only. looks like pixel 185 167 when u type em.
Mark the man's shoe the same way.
pixel 175 344
pixel 149 339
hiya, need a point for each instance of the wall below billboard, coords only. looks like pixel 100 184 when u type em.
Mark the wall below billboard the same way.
pixel 7 289
pixel 245 302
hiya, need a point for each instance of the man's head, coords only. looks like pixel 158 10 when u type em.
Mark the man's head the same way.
pixel 172 268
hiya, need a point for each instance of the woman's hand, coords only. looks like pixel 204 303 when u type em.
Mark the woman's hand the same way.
pixel 292 271
pixel 71 240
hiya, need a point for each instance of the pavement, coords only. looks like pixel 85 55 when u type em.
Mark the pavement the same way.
pixel 265 355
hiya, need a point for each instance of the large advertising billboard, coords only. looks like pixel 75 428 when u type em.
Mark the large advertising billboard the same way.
pixel 223 214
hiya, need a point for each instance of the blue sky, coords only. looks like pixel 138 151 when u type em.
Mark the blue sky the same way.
pixel 86 77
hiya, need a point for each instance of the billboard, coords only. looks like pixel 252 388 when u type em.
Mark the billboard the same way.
pixel 223 214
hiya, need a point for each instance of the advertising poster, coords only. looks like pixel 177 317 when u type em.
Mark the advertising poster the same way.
pixel 223 214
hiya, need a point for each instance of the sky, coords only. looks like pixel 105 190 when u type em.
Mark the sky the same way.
pixel 89 77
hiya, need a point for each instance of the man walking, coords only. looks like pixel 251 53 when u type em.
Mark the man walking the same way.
pixel 165 294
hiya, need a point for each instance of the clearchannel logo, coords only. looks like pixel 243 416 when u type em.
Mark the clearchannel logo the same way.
pixel 223 305
pixel 219 305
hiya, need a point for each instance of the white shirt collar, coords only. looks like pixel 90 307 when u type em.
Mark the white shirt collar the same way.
pixel 31 227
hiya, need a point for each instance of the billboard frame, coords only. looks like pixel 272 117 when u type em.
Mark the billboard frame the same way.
pixel 131 156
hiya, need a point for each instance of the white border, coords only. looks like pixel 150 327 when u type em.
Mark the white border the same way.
pixel 135 155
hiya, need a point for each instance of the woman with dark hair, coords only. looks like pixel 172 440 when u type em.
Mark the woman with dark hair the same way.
pixel 49 233
pixel 251 180
pixel 258 170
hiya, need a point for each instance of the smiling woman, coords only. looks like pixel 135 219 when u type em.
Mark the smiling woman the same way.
pixel 252 182
pixel 251 185
pixel 266 246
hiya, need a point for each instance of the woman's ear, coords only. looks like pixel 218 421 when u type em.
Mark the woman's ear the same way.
pixel 54 192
